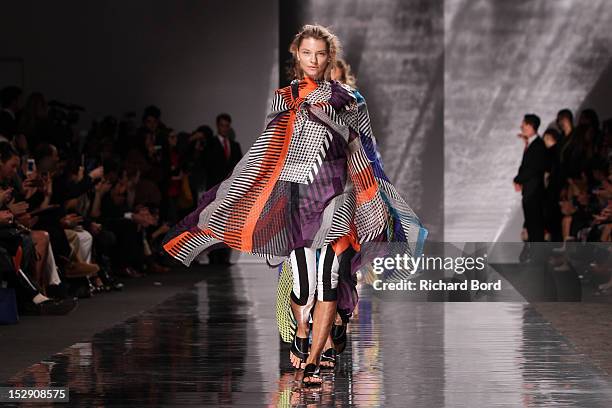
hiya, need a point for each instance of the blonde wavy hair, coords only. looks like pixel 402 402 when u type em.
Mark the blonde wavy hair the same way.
pixel 318 32
pixel 347 76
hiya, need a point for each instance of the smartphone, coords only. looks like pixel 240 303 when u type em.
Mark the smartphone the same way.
pixel 31 167
pixel 158 148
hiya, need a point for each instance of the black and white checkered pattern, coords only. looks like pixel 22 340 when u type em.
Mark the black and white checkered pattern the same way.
pixel 304 149
pixel 321 94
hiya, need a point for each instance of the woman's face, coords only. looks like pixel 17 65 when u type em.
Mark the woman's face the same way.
pixel 151 123
pixel 8 168
pixel 549 140
pixel 564 124
pixel 313 57
pixel 172 139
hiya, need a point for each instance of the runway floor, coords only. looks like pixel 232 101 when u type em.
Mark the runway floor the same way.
pixel 216 344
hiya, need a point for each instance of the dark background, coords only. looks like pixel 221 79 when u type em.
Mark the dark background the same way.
pixel 192 58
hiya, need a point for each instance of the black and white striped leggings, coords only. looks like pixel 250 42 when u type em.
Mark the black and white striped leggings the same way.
pixel 308 278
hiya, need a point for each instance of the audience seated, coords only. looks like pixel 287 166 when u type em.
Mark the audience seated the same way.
pixel 77 216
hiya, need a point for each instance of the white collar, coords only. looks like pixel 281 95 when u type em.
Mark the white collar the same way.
pixel 531 139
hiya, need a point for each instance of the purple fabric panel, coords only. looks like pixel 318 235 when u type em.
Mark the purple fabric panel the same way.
pixel 296 239
pixel 190 222
pixel 347 297
pixel 340 97
pixel 347 281
pixel 316 196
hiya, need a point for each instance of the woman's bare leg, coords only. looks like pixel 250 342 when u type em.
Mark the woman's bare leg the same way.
pixel 565 226
pixel 323 317
pixel 303 267
pixel 329 343
pixel 302 315
pixel 325 312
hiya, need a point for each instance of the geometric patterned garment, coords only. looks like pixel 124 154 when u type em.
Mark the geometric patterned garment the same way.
pixel 311 179
pixel 285 321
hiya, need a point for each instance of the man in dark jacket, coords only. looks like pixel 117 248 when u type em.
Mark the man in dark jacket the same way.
pixel 530 177
pixel 221 154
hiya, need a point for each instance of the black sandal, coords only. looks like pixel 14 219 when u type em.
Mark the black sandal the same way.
pixel 339 337
pixel 329 356
pixel 311 371
pixel 299 344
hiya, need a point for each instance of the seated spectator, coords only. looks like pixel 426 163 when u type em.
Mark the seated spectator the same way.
pixel 152 123
pixel 178 195
pixel 195 161
pixel 132 252
pixel 54 219
pixel 34 121
pixel 30 299
pixel 23 243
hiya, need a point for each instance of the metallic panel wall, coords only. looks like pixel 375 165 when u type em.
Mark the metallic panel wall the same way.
pixel 504 59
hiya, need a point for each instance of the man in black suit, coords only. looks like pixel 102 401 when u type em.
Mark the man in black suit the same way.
pixel 221 154
pixel 9 97
pixel 530 177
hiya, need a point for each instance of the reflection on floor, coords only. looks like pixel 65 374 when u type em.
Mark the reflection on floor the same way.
pixel 217 345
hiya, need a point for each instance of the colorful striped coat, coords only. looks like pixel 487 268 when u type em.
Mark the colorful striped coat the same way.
pixel 312 178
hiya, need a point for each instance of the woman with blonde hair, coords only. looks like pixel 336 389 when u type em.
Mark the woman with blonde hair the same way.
pixel 343 73
pixel 309 190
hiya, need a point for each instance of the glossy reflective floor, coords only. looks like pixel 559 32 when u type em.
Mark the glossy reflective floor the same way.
pixel 217 345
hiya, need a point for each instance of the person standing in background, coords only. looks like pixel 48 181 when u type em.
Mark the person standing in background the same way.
pixel 221 155
pixel 565 123
pixel 552 210
pixel 530 178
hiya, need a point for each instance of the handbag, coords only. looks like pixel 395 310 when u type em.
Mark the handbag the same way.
pixel 185 199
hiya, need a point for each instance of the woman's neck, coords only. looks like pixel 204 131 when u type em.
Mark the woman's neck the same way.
pixel 308 77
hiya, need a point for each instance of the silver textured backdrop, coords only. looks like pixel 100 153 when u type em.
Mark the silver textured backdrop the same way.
pixel 504 59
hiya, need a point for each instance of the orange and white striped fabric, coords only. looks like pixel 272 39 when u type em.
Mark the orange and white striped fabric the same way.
pixel 312 178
